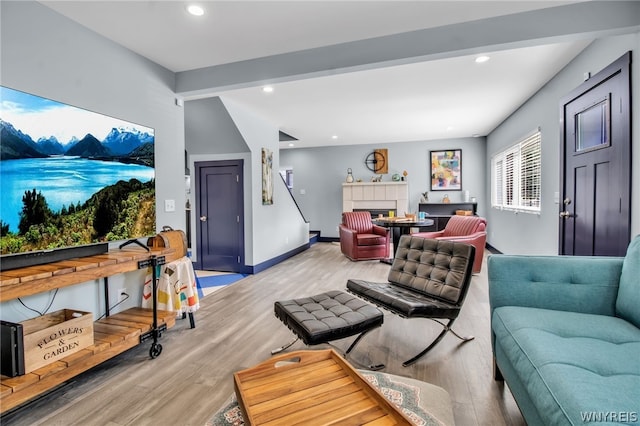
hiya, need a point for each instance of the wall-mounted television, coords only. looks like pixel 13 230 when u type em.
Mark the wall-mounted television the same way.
pixel 71 180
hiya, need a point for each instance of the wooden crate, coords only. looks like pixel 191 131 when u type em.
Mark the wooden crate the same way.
pixel 54 336
pixel 301 386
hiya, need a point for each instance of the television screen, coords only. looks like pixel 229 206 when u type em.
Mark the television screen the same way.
pixel 70 177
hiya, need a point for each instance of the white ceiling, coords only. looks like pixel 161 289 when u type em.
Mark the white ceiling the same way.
pixel 435 99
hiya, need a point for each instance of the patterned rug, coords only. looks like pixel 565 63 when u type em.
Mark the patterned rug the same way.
pixel 404 396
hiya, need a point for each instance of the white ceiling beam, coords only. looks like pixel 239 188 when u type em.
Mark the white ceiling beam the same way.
pixel 550 25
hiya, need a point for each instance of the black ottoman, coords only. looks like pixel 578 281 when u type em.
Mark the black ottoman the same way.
pixel 328 316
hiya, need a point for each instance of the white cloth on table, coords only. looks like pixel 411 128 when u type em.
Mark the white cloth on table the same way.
pixel 176 290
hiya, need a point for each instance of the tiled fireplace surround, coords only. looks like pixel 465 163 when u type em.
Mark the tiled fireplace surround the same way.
pixel 376 197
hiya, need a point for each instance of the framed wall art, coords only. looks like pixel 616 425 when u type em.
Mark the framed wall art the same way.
pixel 267 176
pixel 446 170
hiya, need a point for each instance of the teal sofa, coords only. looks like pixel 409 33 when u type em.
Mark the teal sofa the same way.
pixel 566 336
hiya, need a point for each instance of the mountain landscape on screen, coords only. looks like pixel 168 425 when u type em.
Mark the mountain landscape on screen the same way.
pixel 71 177
pixel 120 144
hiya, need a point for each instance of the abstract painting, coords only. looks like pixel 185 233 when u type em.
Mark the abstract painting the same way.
pixel 446 170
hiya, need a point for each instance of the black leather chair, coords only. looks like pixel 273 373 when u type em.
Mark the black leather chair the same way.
pixel 428 279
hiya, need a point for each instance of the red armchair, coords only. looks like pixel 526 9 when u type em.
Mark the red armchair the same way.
pixel 465 229
pixel 361 239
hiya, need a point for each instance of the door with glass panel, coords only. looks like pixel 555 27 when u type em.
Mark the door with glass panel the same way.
pixel 595 165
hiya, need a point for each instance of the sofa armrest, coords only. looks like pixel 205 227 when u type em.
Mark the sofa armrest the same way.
pixel 587 284
pixel 347 240
pixel 435 234
pixel 474 238
pixel 347 233
pixel 380 230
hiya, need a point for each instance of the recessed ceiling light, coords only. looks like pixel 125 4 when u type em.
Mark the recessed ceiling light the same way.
pixel 482 59
pixel 267 89
pixel 291 144
pixel 334 137
pixel 195 10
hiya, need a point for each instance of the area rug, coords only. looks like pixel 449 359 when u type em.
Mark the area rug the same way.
pixel 404 396
pixel 211 282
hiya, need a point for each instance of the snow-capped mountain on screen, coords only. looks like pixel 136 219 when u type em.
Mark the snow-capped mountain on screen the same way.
pixel 121 141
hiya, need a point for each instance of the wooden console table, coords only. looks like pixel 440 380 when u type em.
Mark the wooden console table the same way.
pixel 113 334
pixel 442 212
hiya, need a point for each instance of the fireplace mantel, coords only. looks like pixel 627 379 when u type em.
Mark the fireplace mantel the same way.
pixel 376 195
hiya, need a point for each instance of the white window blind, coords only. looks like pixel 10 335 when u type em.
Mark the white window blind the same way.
pixel 516 176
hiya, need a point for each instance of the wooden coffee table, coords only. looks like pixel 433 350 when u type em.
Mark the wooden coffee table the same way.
pixel 311 386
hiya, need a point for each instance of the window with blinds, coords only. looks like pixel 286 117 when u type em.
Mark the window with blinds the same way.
pixel 516 176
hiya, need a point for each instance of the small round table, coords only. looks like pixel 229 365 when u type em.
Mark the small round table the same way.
pixel 400 226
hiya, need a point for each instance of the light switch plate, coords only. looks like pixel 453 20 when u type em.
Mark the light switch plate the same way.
pixel 169 205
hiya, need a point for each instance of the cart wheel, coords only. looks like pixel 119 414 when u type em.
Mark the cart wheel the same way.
pixel 156 350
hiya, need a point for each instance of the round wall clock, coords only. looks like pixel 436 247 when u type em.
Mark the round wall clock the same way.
pixel 376 162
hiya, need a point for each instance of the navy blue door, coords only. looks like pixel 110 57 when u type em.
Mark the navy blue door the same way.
pixel 219 220
pixel 595 207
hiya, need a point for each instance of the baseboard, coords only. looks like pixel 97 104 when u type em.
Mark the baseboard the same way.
pixel 492 249
pixel 329 239
pixel 248 269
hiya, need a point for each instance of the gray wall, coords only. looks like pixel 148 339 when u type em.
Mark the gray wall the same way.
pixel 320 172
pixel 210 129
pixel 277 228
pixel 49 55
pixel 220 130
pixel 538 234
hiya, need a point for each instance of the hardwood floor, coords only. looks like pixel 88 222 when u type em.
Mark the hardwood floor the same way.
pixel 236 328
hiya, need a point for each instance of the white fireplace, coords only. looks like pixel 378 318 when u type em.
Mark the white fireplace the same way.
pixel 376 195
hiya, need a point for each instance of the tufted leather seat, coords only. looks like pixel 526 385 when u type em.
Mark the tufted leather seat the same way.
pixel 466 229
pixel 428 279
pixel 328 316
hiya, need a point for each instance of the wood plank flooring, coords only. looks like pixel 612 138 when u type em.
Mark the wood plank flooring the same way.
pixel 236 329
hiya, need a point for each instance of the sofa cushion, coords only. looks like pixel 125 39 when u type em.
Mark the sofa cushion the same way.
pixel 628 302
pixel 572 363
pixel 370 239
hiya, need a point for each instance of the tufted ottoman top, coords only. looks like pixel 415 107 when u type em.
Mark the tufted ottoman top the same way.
pixel 327 316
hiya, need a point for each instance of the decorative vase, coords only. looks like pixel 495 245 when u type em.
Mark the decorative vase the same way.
pixel 349 176
pixel 445 199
